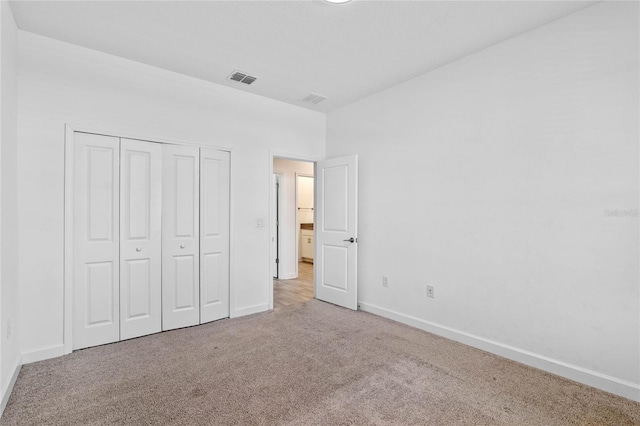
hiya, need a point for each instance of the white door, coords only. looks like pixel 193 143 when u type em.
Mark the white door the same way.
pixel 214 234
pixel 336 255
pixel 96 240
pixel 140 238
pixel 180 236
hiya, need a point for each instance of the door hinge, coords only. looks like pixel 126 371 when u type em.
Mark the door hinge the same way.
pixel 277 260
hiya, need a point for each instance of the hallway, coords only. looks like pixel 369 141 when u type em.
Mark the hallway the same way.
pixel 290 292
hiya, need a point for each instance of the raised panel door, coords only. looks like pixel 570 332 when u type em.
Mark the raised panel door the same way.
pixel 140 238
pixel 214 234
pixel 180 237
pixel 336 253
pixel 96 240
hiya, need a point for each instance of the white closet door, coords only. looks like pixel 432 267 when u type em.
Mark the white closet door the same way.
pixel 140 238
pixel 180 236
pixel 214 234
pixel 95 240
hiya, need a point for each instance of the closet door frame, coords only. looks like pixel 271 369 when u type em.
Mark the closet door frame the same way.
pixel 70 130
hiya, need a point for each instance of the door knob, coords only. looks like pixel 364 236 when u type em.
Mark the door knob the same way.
pixel 350 240
pixel 139 249
pixel 182 246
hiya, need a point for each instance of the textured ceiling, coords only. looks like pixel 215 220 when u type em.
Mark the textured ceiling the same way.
pixel 344 52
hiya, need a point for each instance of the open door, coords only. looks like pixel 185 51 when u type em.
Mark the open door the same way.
pixel 336 257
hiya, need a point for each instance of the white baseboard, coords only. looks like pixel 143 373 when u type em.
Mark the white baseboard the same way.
pixel 290 276
pixel 592 378
pixel 248 310
pixel 6 393
pixel 42 354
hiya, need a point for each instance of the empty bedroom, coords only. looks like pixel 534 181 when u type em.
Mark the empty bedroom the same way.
pixel 320 212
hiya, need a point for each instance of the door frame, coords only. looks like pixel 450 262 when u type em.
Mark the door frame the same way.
pixel 70 130
pixel 292 157
pixel 277 206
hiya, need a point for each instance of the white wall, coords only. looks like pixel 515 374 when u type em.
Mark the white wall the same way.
pixel 9 285
pixel 60 83
pixel 489 178
pixel 289 229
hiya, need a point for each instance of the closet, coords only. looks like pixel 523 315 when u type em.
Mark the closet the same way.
pixel 150 237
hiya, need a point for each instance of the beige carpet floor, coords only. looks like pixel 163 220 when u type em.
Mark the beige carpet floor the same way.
pixel 306 364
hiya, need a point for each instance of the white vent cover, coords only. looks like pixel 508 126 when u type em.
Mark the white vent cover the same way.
pixel 242 77
pixel 314 98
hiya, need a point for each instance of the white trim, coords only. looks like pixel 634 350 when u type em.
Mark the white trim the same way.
pixel 277 193
pixel 42 354
pixel 292 156
pixel 290 276
pixel 67 333
pixel 70 130
pixel 6 394
pixel 585 376
pixel 316 267
pixel 253 309
pixel 232 247
pixel 279 177
pixel 125 133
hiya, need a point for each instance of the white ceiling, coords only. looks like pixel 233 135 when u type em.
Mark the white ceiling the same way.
pixel 344 52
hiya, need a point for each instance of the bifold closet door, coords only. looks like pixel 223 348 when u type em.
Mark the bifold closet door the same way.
pixel 140 238
pixel 214 234
pixel 96 240
pixel 180 236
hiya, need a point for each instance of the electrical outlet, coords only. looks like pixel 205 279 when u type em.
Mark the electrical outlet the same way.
pixel 430 291
pixel 385 281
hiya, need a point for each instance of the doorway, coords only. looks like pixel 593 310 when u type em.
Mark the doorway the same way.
pixel 292 234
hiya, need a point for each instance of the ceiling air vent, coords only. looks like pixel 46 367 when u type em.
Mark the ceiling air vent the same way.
pixel 314 98
pixel 242 77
